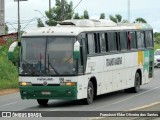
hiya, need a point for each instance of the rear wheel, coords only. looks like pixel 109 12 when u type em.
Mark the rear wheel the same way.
pixel 136 87
pixel 42 102
pixel 90 94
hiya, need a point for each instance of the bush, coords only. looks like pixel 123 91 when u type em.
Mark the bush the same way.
pixel 8 72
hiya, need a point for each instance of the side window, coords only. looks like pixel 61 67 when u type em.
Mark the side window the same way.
pixel 123 40
pixel 132 40
pixel 149 39
pixel 91 44
pixel 96 41
pixel 106 39
pixel 102 42
pixel 140 40
pixel 112 42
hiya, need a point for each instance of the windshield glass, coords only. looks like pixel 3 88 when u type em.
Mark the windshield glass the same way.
pixel 47 56
pixel 157 52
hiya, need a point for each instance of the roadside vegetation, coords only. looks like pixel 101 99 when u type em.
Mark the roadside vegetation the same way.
pixel 156 40
pixel 8 70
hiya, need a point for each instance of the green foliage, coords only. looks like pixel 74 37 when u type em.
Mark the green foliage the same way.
pixel 85 14
pixel 40 23
pixel 140 20
pixel 156 46
pixel 76 16
pixel 157 38
pixel 102 16
pixel 54 15
pixel 117 18
pixel 125 21
pixel 8 72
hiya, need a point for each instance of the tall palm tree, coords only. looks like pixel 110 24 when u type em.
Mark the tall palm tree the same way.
pixel 117 18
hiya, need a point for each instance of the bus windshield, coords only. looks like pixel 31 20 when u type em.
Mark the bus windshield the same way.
pixel 47 56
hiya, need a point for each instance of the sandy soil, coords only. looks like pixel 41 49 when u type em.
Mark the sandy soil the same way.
pixel 8 91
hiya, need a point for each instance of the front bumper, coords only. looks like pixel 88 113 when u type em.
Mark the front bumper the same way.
pixel 56 92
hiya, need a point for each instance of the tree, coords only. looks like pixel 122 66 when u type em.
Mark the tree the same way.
pixel 76 16
pixel 54 15
pixel 117 18
pixel 125 21
pixel 85 14
pixel 140 20
pixel 40 23
pixel 102 16
pixel 6 29
pixel 157 38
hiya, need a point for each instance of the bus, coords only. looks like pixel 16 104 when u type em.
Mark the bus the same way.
pixel 81 59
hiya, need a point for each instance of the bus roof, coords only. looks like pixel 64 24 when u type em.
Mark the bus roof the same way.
pixel 74 27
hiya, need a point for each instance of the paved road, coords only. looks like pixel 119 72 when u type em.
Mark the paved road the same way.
pixel 117 101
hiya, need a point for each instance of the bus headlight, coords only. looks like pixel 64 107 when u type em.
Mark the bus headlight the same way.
pixel 70 84
pixel 25 83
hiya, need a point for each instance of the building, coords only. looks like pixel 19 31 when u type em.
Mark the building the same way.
pixel 8 37
pixel 2 16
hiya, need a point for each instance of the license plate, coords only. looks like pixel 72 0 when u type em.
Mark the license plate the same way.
pixel 46 93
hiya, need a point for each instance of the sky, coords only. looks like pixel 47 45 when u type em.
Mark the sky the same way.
pixel 147 9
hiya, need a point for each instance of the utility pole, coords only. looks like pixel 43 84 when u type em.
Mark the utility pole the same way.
pixel 62 10
pixel 2 17
pixel 49 5
pixel 19 26
pixel 129 10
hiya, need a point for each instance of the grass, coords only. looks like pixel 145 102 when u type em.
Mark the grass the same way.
pixel 156 46
pixel 8 72
pixel 8 84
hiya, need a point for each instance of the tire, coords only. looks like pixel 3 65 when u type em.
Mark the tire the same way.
pixel 90 94
pixel 136 87
pixel 42 102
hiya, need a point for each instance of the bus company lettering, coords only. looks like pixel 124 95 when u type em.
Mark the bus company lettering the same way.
pixel 114 61
pixel 45 79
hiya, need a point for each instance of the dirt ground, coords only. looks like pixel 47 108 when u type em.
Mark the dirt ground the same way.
pixel 8 91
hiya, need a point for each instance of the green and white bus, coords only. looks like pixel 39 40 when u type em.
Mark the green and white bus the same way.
pixel 80 59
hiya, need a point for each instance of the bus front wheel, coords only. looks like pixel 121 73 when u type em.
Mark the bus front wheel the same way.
pixel 42 102
pixel 90 93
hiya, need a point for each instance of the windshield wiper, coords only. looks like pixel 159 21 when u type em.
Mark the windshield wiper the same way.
pixel 49 64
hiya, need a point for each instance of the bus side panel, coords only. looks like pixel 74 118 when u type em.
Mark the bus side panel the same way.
pixel 131 66
pixel 82 86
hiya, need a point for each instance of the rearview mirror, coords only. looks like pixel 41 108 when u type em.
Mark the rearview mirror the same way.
pixel 76 51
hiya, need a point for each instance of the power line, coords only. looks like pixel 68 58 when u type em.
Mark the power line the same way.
pixel 26 21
